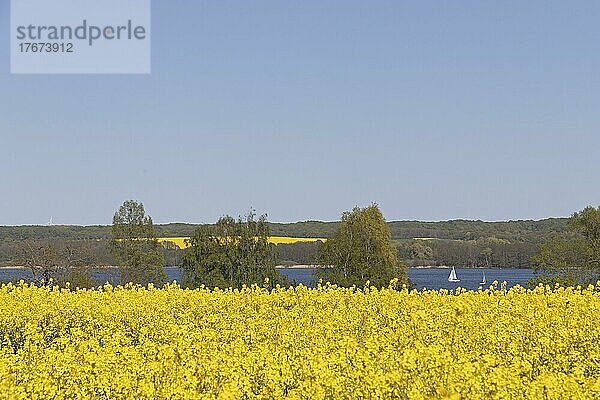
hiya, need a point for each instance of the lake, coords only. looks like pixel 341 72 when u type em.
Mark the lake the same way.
pixel 430 278
pixel 470 278
pixel 437 278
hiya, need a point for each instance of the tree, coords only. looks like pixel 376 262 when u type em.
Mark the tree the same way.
pixel 587 224
pixel 58 261
pixel 172 253
pixel 135 247
pixel 231 254
pixel 305 253
pixel 420 251
pixel 361 250
pixel 487 254
pixel 574 256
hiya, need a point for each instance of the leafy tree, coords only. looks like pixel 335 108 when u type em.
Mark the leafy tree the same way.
pixel 135 247
pixel 574 256
pixel 172 253
pixel 361 250
pixel 420 251
pixel 587 224
pixel 487 254
pixel 231 254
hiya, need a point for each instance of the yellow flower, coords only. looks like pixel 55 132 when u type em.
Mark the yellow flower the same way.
pixel 300 343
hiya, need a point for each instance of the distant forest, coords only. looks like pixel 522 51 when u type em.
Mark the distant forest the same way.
pixel 459 242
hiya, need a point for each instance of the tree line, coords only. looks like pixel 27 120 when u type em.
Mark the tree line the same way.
pixel 481 253
pixel 573 257
pixel 361 248
pixel 513 231
pixel 462 243
pixel 230 253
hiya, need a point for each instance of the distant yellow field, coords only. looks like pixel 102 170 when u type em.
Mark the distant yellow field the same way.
pixel 181 241
pixel 287 240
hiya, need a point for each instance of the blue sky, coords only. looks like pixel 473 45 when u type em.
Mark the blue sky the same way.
pixel 302 109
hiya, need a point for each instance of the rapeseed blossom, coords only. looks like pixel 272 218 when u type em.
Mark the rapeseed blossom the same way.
pixel 298 343
pixel 183 242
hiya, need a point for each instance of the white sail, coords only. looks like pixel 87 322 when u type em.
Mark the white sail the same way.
pixel 483 281
pixel 453 277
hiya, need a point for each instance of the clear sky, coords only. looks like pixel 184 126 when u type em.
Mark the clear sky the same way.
pixel 302 109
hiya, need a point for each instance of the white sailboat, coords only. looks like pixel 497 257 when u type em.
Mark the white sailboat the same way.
pixel 483 281
pixel 453 277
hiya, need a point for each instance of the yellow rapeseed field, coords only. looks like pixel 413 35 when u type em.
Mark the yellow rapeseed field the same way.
pixel 182 242
pixel 299 343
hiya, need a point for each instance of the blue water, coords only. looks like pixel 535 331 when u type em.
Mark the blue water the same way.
pixel 430 278
pixel 437 278
pixel 470 278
